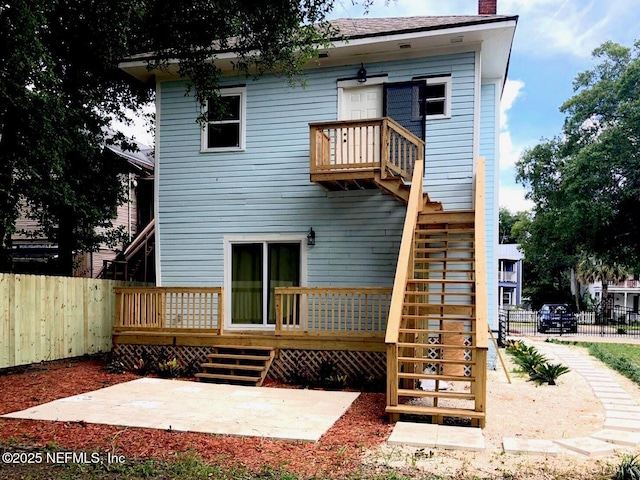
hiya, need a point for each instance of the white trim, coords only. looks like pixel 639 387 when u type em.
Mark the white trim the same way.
pixel 496 189
pixel 264 239
pixel 448 92
pixel 156 190
pixel 477 91
pixel 377 80
pixel 227 92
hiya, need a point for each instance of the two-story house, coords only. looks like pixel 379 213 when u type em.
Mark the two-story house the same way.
pixel 510 260
pixel 352 220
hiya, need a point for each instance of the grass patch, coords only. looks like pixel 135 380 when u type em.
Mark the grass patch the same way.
pixel 623 358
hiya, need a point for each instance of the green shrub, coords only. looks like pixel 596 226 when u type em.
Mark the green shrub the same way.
pixel 529 363
pixel 169 368
pixel 548 373
pixel 629 468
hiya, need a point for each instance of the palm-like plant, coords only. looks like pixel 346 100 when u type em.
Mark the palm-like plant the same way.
pixel 591 269
pixel 548 373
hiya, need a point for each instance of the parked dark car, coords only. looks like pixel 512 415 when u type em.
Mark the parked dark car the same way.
pixel 557 316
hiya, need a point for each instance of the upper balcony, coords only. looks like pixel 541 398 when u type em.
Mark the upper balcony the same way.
pixel 630 285
pixel 359 154
pixel 504 276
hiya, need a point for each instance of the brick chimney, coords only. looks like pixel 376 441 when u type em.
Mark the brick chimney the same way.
pixel 487 7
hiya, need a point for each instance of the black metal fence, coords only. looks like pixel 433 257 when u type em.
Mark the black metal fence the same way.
pixel 606 321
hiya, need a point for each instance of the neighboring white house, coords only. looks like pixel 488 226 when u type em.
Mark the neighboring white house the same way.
pixel 510 260
pixel 625 294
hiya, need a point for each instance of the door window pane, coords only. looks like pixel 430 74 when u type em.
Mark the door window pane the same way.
pixel 246 284
pixel 284 271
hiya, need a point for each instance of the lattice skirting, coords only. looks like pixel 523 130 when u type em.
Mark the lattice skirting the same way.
pixel 189 357
pixel 351 364
pixel 284 367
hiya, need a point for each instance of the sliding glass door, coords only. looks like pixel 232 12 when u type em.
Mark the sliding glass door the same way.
pixel 256 269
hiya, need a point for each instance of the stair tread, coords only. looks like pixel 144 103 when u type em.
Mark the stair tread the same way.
pixel 439 280
pixel 233 366
pixel 402 392
pixel 435 360
pixel 234 356
pixel 433 376
pixel 221 376
pixel 439 332
pixel 424 410
pixel 243 347
pixel 435 345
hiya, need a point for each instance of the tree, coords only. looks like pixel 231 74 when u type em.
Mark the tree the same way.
pixel 60 87
pixel 585 183
pixel 591 270
pixel 510 227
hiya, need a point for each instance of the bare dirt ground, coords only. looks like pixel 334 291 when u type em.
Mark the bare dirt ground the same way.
pixel 522 409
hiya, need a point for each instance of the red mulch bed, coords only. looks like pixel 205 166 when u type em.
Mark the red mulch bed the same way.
pixel 336 454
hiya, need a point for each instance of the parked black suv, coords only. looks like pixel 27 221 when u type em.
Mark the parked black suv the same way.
pixel 557 316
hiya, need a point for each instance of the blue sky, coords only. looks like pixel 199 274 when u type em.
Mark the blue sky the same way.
pixel 553 42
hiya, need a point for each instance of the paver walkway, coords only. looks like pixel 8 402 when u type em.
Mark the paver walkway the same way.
pixel 621 427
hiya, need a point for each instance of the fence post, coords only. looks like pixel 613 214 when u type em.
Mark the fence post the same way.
pixel 508 322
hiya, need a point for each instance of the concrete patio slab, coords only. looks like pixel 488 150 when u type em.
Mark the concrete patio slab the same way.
pixel 202 407
pixel 618 437
pixel 422 435
pixel 591 447
pixel 427 435
pixel 622 424
pixel 527 446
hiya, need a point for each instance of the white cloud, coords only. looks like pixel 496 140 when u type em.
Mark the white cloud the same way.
pixel 512 198
pixel 509 153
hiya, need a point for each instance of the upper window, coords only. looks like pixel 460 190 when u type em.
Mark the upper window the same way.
pixel 225 129
pixel 437 98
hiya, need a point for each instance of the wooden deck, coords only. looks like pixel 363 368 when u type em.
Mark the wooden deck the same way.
pixel 308 318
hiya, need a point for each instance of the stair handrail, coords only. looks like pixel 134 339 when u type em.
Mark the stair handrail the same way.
pixel 145 234
pixel 414 207
pixel 482 307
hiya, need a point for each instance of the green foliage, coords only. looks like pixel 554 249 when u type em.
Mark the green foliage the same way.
pixel 625 359
pixel 61 88
pixel 511 225
pixel 530 362
pixel 548 373
pixel 628 468
pixel 536 365
pixel 584 182
pixel 169 368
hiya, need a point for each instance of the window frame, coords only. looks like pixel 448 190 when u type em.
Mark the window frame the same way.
pixel 265 240
pixel 446 81
pixel 228 92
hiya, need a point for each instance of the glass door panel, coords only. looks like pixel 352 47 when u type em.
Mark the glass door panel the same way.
pixel 247 284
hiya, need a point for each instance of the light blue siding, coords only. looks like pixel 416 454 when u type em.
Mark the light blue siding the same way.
pixel 488 121
pixel 205 197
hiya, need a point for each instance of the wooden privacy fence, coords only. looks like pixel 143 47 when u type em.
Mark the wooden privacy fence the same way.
pixel 49 318
pixel 342 311
pixel 169 308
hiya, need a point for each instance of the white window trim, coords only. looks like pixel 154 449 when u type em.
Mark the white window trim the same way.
pixel 264 239
pixel 227 92
pixel 447 96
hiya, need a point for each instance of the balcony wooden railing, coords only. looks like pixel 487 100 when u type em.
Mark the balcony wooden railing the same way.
pixel 332 311
pixel 376 144
pixel 170 308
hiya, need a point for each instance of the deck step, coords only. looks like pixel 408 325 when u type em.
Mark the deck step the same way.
pixel 434 376
pixel 403 392
pixel 234 379
pixel 232 366
pixel 238 365
pixel 439 411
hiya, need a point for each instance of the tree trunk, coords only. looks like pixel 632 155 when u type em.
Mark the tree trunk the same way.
pixel 66 243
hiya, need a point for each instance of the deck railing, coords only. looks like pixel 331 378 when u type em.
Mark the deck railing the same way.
pixel 370 144
pixel 341 311
pixel 181 308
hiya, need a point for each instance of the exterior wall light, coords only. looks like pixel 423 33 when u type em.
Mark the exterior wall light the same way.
pixel 362 74
pixel 311 237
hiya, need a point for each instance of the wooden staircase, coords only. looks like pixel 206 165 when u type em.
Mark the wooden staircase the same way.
pixel 237 365
pixel 437 356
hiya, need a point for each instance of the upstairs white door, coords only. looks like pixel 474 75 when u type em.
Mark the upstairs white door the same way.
pixel 360 145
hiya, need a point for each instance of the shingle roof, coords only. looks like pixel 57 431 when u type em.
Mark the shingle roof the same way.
pixel 370 27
